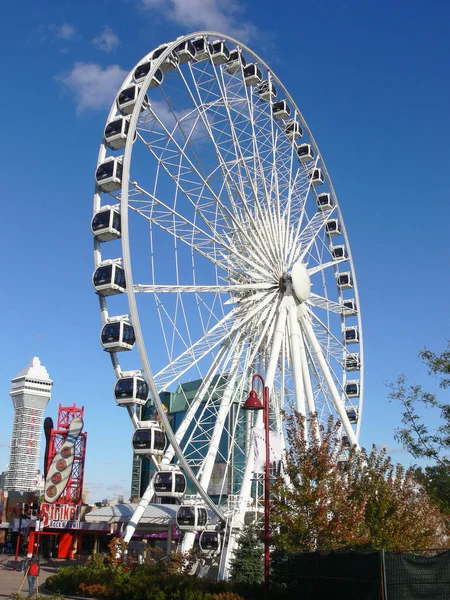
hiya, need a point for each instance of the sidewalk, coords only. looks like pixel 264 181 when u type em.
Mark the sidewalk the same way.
pixel 11 580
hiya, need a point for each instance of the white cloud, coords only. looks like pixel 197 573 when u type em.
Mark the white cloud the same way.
pixel 65 31
pixel 107 40
pixel 216 15
pixel 93 87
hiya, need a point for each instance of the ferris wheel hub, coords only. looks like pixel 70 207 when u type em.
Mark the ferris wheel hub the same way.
pixel 301 282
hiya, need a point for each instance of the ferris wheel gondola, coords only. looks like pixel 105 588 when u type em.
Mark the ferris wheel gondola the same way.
pixel 236 259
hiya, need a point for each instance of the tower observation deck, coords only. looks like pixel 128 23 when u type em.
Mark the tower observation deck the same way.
pixel 30 392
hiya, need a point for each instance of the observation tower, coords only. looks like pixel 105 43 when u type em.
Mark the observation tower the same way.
pixel 30 392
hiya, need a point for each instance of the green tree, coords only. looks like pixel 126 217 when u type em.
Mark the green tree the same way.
pixel 363 502
pixel 247 564
pixel 421 440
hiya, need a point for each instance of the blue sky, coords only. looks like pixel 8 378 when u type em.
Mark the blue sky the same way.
pixel 370 79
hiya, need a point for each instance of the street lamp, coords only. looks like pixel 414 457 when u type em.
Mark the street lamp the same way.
pixel 254 403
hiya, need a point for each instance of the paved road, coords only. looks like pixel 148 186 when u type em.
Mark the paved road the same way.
pixel 10 580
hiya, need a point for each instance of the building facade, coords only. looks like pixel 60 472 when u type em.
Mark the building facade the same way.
pixel 225 479
pixel 30 392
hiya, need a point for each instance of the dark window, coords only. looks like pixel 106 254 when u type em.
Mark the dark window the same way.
pixel 119 276
pixel 202 516
pixel 119 171
pixel 186 515
pixel 200 44
pixel 128 334
pixel 338 252
pixel 163 482
pixel 113 128
pixel 158 76
pixel 160 440
pixel 117 221
pixel 180 483
pixel 111 333
pixel 352 388
pixel 128 94
pixel 101 220
pixel 105 171
pixel 349 305
pixel 142 70
pixel 304 149
pixel 102 275
pixel 188 47
pixel 142 389
pixel 350 334
pixel 209 540
pixel 249 70
pixel 158 52
pixel 220 48
pixel 124 388
pixel 142 439
pixel 324 199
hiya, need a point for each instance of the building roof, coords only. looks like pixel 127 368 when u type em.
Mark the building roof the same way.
pixel 155 514
pixel 34 371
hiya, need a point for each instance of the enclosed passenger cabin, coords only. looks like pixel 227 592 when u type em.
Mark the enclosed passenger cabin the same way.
pixel 116 132
pixel 202 48
pixel 252 75
pixel 281 110
pixel 349 308
pixel 267 91
pixel 345 441
pixel 106 224
pixel 219 53
pixel 344 281
pixel 352 389
pixel 149 439
pixel 333 227
pixel 352 362
pixel 342 465
pixel 141 72
pixel 235 62
pixel 305 152
pixel 109 174
pixel 352 414
pixel 170 62
pixel 293 130
pixel 128 98
pixel 109 279
pixel 191 517
pixel 117 336
pixel 339 252
pixel 210 542
pixel 325 202
pixel 316 177
pixel 169 483
pixel 351 335
pixel 185 51
pixel 130 391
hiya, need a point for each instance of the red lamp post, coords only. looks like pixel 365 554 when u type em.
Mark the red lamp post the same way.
pixel 254 403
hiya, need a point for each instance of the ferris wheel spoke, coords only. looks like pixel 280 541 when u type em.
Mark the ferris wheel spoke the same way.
pixel 210 340
pixel 326 304
pixel 234 215
pixel 329 342
pixel 325 265
pixel 306 238
pixel 214 248
pixel 221 289
pixel 317 350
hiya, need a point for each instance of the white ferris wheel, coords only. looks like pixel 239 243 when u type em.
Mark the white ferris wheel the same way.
pixel 220 252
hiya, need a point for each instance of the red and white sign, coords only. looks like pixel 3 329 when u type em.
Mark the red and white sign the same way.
pixel 62 513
